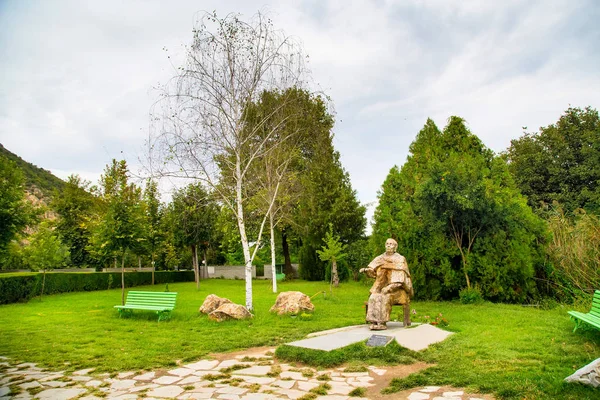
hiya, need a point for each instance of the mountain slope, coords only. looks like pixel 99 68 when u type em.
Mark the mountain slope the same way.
pixel 35 177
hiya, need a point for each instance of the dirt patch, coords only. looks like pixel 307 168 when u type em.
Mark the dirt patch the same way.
pixel 391 372
pixel 253 352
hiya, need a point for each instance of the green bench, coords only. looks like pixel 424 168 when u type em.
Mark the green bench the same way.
pixel 591 318
pixel 161 302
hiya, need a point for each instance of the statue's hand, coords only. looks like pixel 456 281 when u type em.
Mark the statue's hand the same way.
pixel 362 270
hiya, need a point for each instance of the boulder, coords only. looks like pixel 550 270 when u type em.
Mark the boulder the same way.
pixel 228 311
pixel 211 303
pixel 588 375
pixel 292 303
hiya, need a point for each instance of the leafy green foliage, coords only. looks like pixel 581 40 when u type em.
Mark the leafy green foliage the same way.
pixel 20 288
pixel 45 250
pixel 327 197
pixel 359 256
pixel 75 206
pixel 561 162
pixel 15 212
pixel 459 219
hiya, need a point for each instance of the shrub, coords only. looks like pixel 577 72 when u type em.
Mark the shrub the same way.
pixel 470 295
pixel 23 288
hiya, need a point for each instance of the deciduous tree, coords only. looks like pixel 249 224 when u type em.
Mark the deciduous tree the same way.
pixel 202 132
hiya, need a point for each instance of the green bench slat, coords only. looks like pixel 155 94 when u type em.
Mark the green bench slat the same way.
pixel 161 302
pixel 592 317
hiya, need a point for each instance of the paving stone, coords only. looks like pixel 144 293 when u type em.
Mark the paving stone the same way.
pixel 165 391
pixel 340 388
pixel 124 384
pixel 148 376
pixel 57 384
pixel 306 386
pixel 332 397
pixel 126 396
pixel 360 384
pixel 453 394
pixel 83 371
pixel 90 398
pixel 29 385
pixel 447 398
pixel 257 370
pixel 123 375
pixel 81 378
pixel 4 391
pixel 143 387
pixel 189 379
pixel 293 375
pixel 181 371
pixel 26 365
pixel 22 396
pixel 196 396
pixel 228 396
pixel 378 371
pixel 418 396
pixel 338 379
pixel 283 384
pixel 354 374
pixel 231 390
pixel 226 364
pixel 204 390
pixel 203 365
pixel 256 379
pixel 202 373
pixel 259 396
pixel 52 377
pixel 430 389
pixel 60 394
pixel 167 380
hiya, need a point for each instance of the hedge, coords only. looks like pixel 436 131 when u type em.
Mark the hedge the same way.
pixel 22 288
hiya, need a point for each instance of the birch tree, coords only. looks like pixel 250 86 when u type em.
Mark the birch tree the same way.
pixel 200 119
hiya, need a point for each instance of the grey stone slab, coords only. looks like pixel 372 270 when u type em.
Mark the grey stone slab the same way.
pixel 127 374
pixel 416 338
pixel 283 384
pixel 418 396
pixel 30 385
pixel 83 371
pixel 4 391
pixel 332 397
pixel 257 370
pixel 148 376
pixel 124 384
pixel 166 391
pixel 203 365
pixel 229 396
pixel 167 380
pixel 56 384
pixel 181 371
pixel 292 393
pixel 60 394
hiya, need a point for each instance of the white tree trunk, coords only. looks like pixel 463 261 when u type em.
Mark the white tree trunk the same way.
pixel 274 273
pixel 243 236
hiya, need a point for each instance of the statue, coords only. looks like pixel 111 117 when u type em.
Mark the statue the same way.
pixel 392 286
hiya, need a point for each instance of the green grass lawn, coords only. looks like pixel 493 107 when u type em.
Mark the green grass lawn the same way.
pixel 509 350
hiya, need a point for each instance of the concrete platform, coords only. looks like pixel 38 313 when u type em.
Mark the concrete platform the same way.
pixel 417 337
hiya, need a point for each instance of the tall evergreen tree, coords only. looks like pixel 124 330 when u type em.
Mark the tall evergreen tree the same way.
pixel 459 219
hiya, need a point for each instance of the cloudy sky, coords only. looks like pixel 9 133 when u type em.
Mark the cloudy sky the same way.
pixel 77 77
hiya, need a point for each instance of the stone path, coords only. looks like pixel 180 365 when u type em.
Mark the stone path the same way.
pixel 252 376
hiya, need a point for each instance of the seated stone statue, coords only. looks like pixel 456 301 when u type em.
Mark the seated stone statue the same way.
pixel 392 286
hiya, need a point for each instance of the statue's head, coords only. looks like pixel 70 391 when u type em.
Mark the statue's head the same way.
pixel 390 246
